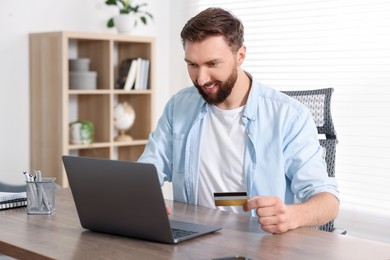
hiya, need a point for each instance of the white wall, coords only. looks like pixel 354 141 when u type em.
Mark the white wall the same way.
pixel 19 18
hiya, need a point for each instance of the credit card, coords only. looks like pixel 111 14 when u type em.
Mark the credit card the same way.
pixel 230 198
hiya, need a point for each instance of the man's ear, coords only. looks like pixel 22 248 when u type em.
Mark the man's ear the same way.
pixel 241 53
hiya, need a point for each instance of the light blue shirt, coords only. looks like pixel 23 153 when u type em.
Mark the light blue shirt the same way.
pixel 283 156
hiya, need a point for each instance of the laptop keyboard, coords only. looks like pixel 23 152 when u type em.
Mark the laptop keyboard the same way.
pixel 178 233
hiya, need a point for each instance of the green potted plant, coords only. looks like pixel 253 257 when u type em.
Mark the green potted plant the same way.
pixel 129 14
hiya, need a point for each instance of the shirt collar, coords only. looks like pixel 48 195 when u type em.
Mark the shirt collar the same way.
pixel 250 111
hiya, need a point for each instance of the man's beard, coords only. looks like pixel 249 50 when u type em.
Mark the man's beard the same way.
pixel 224 89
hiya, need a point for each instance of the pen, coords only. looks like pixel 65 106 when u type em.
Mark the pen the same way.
pixel 41 192
pixel 33 199
pixel 37 179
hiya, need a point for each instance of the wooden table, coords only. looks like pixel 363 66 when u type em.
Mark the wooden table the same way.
pixel 60 236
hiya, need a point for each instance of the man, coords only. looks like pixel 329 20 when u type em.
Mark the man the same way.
pixel 230 133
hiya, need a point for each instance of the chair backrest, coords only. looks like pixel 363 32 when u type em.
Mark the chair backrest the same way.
pixel 318 101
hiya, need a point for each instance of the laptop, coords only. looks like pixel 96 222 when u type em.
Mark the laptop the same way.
pixel 125 198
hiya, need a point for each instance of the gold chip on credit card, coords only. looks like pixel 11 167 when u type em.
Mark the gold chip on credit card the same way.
pixel 230 198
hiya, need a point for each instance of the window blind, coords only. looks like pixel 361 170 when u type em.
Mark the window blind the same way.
pixel 343 44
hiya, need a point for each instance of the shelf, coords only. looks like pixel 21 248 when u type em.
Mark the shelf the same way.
pixel 88 146
pixel 105 92
pixel 133 92
pixel 89 92
pixel 131 143
pixel 53 105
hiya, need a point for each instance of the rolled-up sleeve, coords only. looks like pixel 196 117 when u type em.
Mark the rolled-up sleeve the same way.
pixel 305 165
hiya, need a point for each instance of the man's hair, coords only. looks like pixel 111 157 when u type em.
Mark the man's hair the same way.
pixel 214 22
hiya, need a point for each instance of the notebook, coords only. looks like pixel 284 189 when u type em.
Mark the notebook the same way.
pixel 125 198
pixel 12 200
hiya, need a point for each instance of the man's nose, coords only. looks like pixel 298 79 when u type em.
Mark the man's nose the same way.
pixel 203 76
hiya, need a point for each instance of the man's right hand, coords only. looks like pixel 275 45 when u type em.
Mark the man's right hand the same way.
pixel 169 211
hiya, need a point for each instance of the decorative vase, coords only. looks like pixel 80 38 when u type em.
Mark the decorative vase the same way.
pixel 124 23
pixel 81 132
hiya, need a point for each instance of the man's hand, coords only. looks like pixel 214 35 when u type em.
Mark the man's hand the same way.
pixel 277 217
pixel 169 211
pixel 274 216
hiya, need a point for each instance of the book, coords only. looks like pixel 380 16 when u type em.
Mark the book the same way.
pixel 145 75
pixel 134 74
pixel 12 200
pixel 131 76
pixel 141 82
pixel 138 77
pixel 123 73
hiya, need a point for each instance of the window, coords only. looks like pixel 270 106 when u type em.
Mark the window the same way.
pixel 343 44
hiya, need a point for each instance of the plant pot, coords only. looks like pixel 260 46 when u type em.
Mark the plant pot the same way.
pixel 124 23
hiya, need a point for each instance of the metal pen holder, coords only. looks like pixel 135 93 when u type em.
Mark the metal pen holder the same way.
pixel 41 196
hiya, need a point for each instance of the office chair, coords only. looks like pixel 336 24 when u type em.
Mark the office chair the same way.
pixel 318 101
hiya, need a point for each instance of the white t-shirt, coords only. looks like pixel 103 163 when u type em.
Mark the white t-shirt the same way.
pixel 222 156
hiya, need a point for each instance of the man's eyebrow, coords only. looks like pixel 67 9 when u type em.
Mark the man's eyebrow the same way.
pixel 207 62
pixel 214 61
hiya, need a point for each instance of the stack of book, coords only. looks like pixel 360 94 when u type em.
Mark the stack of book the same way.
pixel 12 200
pixel 134 74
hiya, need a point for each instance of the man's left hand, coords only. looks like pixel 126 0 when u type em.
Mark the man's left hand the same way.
pixel 274 216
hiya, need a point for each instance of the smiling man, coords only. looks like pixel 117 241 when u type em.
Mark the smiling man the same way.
pixel 230 133
pixel 214 71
